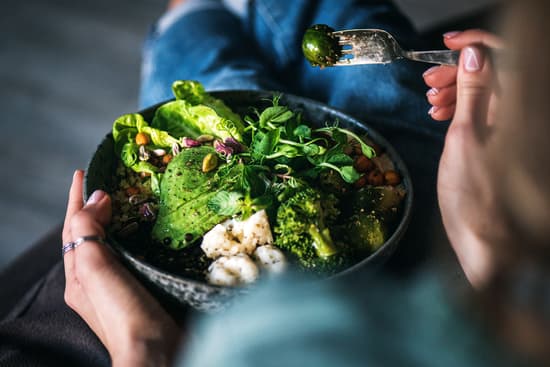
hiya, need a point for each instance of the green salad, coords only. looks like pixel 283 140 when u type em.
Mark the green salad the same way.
pixel 203 189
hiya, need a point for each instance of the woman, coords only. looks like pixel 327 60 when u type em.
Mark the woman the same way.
pixel 491 198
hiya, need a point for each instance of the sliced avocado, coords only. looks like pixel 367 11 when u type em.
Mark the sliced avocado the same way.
pixel 185 191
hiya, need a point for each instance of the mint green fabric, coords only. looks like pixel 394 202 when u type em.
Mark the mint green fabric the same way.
pixel 372 322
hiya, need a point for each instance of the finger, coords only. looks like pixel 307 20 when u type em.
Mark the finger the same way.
pixel 117 298
pixel 459 40
pixel 93 217
pixel 442 97
pixel 443 113
pixel 74 203
pixel 88 221
pixel 473 89
pixel 440 76
pixel 98 207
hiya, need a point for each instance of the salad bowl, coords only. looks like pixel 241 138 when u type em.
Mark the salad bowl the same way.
pixel 207 297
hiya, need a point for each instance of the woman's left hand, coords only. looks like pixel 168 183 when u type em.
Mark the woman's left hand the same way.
pixel 131 324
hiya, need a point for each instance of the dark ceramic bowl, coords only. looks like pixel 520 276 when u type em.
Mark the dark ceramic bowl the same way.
pixel 198 294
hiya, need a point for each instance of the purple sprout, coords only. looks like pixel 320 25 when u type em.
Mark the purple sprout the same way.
pixel 223 148
pixel 175 149
pixel 234 145
pixel 189 143
pixel 147 212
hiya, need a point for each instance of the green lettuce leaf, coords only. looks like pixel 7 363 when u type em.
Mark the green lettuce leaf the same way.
pixel 125 129
pixel 229 124
pixel 176 119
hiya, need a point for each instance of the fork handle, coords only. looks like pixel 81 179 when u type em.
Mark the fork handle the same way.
pixel 443 57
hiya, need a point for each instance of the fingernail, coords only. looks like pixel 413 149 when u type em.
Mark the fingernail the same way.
pixel 96 196
pixel 430 70
pixel 451 34
pixel 432 92
pixel 473 59
pixel 433 110
pixel 76 173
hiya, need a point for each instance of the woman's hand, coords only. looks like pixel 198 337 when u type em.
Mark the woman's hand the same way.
pixel 442 79
pixel 131 324
pixel 467 201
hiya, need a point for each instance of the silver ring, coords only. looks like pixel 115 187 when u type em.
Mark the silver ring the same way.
pixel 79 241
pixel 66 248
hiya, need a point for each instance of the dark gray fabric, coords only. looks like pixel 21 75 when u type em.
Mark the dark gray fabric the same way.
pixel 41 330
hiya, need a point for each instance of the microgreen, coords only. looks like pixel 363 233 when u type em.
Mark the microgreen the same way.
pixel 230 203
pixel 226 203
pixel 337 132
pixel 348 173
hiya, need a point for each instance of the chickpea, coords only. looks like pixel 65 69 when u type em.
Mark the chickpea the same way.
pixel 166 158
pixel 375 178
pixel 130 191
pixel 363 164
pixel 142 139
pixel 392 178
pixel 348 150
pixel 357 150
pixel 362 181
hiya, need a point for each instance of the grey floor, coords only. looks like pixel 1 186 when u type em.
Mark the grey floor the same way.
pixel 68 68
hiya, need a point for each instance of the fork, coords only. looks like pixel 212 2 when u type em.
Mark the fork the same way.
pixel 376 46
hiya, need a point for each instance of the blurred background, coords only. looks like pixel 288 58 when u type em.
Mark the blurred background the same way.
pixel 68 68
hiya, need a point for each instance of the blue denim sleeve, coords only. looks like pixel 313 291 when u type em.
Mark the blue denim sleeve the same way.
pixel 200 40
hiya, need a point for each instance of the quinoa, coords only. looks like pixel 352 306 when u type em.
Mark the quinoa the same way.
pixel 132 193
pixel 132 229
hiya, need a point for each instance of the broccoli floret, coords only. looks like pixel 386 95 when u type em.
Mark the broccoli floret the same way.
pixel 302 230
pixel 369 232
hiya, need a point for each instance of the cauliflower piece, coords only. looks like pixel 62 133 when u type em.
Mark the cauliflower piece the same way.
pixel 253 231
pixel 232 271
pixel 219 242
pixel 233 237
pixel 270 258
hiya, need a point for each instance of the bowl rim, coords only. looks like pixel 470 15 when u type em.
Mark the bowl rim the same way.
pixel 377 258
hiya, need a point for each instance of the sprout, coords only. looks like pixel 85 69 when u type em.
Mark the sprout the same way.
pixel 143 154
pixel 175 149
pixel 235 145
pixel 222 148
pixel 189 143
pixel 147 212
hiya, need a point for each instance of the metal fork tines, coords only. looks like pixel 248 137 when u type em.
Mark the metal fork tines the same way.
pixel 375 46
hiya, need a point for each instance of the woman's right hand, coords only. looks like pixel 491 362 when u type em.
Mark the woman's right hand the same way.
pixel 469 94
pixel 442 79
